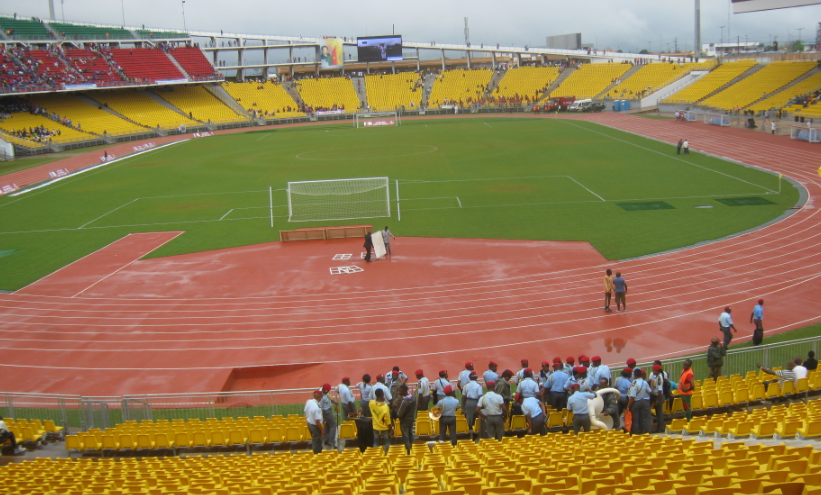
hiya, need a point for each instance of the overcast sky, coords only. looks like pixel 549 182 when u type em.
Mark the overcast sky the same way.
pixel 625 24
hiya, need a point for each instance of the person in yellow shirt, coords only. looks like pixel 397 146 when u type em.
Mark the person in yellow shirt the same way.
pixel 608 290
pixel 381 414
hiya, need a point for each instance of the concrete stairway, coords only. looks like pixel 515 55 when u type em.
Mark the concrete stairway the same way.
pixel 623 78
pixel 291 90
pixel 786 87
pixel 498 75
pixel 99 105
pixel 752 70
pixel 360 90
pixel 219 93
pixel 178 66
pixel 162 101
pixel 559 80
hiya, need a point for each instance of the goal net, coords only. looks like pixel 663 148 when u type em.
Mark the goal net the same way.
pixel 805 134
pixel 376 119
pixel 340 199
pixel 686 116
pixel 717 119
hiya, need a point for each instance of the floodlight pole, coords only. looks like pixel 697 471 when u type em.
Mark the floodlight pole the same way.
pixel 184 26
pixel 697 47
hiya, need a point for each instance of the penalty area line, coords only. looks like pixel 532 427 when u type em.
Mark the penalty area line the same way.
pixel 488 125
pixel 586 188
pixel 226 214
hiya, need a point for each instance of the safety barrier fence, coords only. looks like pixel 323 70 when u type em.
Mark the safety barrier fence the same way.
pixel 79 413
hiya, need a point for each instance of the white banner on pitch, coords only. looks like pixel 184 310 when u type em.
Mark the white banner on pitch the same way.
pixel 378 245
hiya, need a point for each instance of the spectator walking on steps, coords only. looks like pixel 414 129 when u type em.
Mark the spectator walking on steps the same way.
pixel 725 324
pixel 715 357
pixel 757 317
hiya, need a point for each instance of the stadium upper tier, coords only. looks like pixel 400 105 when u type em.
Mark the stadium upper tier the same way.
pixel 459 86
pixel 90 117
pixel 199 104
pixel 329 93
pixel 141 108
pixel 268 100
pixel 146 64
pixel 85 31
pixel 720 76
pixel 526 81
pixel 780 99
pixel 24 28
pixel 590 79
pixel 386 92
pixel 652 77
pixel 770 78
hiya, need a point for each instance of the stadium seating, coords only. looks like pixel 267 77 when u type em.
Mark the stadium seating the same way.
pixel 147 33
pixel 652 77
pixel 264 97
pixel 589 80
pixel 92 66
pixel 140 108
pixel 25 28
pixel 193 61
pixel 84 31
pixel 720 76
pixel 770 78
pixel 526 81
pixel 599 463
pixel 146 64
pixel 91 118
pixel 386 92
pixel 780 99
pixel 201 105
pixel 25 120
pixel 328 93
pixel 462 86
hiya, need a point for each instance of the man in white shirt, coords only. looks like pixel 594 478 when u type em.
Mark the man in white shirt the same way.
pixel 365 392
pixel 471 394
pixel 440 384
pixel 313 416
pixel 346 397
pixel 380 384
pixel 464 379
pixel 422 390
pixel 534 412
pixel 6 434
pixel 528 387
pixel 492 409
pixel 601 370
pixel 490 374
pixel 725 323
pixel 386 238
pixel 520 375
pixel 799 370
pixel 395 373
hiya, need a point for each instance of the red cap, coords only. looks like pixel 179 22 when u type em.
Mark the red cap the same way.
pixel 419 372
pixel 582 358
pixel 447 389
pixel 595 358
pixel 528 370
pixel 761 301
pixel 628 370
pixel 317 391
pixel 582 369
pixel 516 397
pixel 508 372
pixel 727 308
pixel 557 360
pixel 576 369
pixel 557 365
pixel 524 360
pixel 468 364
pixel 656 367
pixel 345 378
pixel 473 376
pixel 545 363
pixel 575 385
pixel 631 361
pixel 326 387
pixel 490 384
pixel 394 372
pixel 492 364
pixel 442 372
pixel 570 360
pixel 380 376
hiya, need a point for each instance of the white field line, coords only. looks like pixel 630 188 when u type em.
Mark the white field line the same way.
pixel 488 125
pixel 459 201
pixel 585 187
pixel 107 213
pixel 265 136
pixel 227 213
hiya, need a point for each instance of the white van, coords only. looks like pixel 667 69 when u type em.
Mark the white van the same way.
pixel 579 105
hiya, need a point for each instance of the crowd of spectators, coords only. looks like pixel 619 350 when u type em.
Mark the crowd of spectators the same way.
pixel 11 106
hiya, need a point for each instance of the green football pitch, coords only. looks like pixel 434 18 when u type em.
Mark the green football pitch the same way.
pixel 496 178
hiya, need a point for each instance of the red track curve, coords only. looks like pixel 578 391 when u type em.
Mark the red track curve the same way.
pixel 111 341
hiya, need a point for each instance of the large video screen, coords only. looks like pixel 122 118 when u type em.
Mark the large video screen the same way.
pixel 379 48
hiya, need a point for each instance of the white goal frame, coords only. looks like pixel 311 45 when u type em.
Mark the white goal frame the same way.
pixel 361 119
pixel 717 119
pixel 804 133
pixel 326 200
pixel 689 116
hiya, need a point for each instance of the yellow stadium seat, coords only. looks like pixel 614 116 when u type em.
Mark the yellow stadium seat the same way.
pixel 589 80
pixel 459 86
pixel 328 93
pixel 720 76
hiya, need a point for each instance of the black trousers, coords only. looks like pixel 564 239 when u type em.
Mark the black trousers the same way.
pixel 581 423
pixel 447 423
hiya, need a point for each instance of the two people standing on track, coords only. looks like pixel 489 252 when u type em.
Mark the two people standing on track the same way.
pixel 617 284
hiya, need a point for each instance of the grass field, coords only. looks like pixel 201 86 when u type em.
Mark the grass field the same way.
pixel 501 178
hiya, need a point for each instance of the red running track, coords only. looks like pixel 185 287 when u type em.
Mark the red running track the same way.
pixel 186 323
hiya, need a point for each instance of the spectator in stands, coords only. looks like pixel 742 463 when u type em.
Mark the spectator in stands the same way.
pixel 464 379
pixel 784 375
pixel 623 385
pixel 346 397
pixel 329 407
pixel 380 385
pixel 800 370
pixel 406 415
pixel 657 385
pixel 811 363
pixel 503 386
pixel 715 357
pixel 577 404
pixel 447 422
pixel 520 375
pixel 638 403
pixel 472 393
pixel 534 412
pixel 492 408
pixel 528 387
pixel 757 317
pixel 313 416
pixel 686 385
pixel 440 385
pixel 381 414
pixel 556 395
pixel 422 390
pixel 611 404
pixel 725 323
pixel 365 392
pixel 490 374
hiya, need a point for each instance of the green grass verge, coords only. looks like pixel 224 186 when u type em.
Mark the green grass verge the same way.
pixel 540 179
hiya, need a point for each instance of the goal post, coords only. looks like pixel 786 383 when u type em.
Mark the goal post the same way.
pixel 717 119
pixel 809 134
pixel 376 119
pixel 338 199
